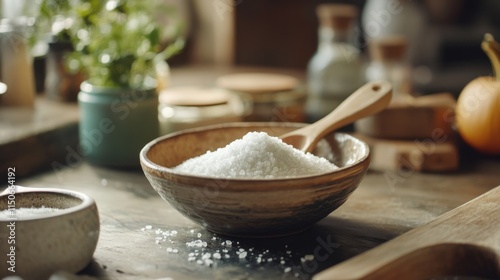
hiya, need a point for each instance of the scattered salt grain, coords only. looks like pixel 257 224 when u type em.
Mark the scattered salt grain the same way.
pixel 149 227
pixel 32 212
pixel 206 256
pixel 208 262
pixel 309 257
pixel 197 243
pixel 256 155
pixel 243 255
pixel 288 269
pixel 217 256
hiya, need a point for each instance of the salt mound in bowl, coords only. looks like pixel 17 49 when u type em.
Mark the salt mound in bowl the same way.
pixel 256 156
pixel 252 207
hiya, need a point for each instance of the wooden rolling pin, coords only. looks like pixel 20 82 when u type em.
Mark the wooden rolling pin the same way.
pixel 464 242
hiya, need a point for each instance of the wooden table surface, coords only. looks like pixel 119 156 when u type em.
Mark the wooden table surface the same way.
pixel 376 212
pixel 143 237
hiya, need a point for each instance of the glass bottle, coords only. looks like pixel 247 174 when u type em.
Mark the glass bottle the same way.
pixel 335 70
pixel 388 61
pixel 381 18
pixel 16 69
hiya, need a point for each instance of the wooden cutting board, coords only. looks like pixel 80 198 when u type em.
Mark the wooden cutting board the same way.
pixel 463 242
pixel 425 155
pixel 412 118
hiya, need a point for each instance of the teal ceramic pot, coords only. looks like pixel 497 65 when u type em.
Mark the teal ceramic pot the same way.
pixel 115 123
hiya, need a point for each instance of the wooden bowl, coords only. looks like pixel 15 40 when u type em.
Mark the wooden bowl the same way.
pixel 252 207
pixel 41 245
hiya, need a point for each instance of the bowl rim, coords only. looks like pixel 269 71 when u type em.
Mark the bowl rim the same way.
pixel 147 164
pixel 86 202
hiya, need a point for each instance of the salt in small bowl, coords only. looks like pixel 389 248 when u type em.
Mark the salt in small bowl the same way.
pixel 37 246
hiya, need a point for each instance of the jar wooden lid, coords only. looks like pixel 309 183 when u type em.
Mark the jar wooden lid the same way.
pixel 194 96
pixel 255 83
pixel 336 16
pixel 391 48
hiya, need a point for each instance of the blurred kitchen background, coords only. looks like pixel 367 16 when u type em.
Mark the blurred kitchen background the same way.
pixel 445 35
pixel 438 42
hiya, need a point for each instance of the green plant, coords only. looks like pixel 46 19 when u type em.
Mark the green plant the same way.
pixel 117 42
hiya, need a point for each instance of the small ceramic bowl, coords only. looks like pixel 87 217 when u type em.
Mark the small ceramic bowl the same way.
pixel 252 207
pixel 43 244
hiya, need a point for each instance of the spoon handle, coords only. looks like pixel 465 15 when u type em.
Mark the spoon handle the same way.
pixel 367 100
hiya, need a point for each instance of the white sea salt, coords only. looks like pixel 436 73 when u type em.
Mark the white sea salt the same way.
pixel 256 155
pixel 200 251
pixel 309 257
pixel 197 243
pixel 206 256
pixel 27 212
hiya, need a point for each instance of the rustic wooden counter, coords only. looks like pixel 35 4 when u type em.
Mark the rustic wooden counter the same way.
pixel 143 237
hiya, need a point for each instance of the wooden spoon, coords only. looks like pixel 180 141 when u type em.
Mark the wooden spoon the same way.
pixel 367 100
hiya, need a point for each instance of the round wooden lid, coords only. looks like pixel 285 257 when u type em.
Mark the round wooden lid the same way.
pixel 257 82
pixel 194 96
pixel 388 48
pixel 336 16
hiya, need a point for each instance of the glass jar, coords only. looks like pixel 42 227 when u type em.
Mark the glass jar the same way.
pixel 188 107
pixel 274 97
pixel 335 70
pixel 16 68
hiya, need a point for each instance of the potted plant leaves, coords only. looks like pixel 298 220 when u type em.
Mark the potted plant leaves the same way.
pixel 118 45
